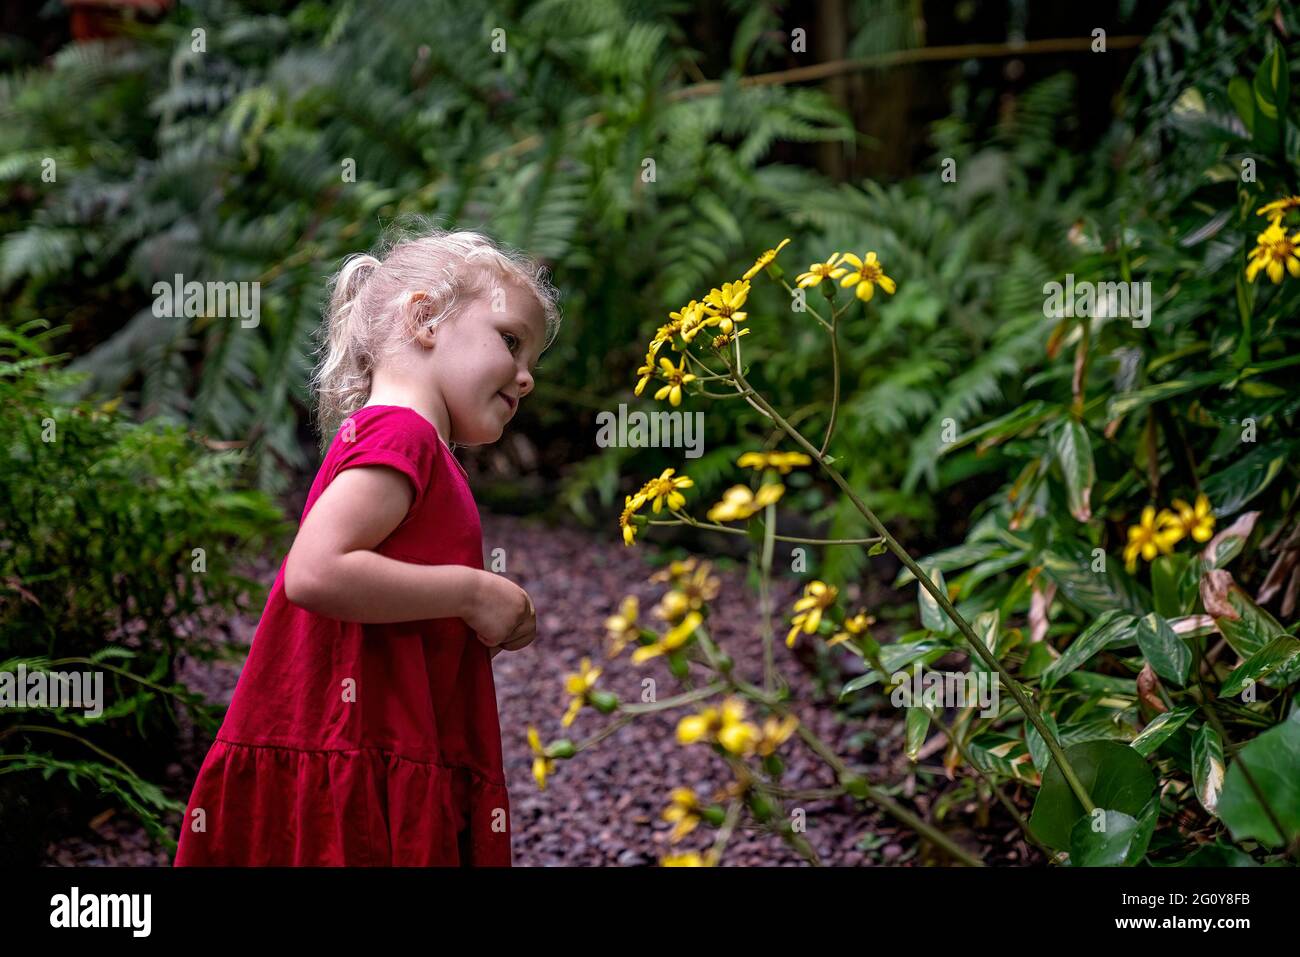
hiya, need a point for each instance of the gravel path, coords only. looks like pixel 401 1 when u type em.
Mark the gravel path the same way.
pixel 604 806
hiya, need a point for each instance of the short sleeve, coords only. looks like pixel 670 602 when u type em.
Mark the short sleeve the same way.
pixel 388 435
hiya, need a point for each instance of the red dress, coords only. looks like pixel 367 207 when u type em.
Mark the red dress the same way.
pixel 352 744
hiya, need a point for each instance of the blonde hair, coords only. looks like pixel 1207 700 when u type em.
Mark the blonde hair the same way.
pixel 370 310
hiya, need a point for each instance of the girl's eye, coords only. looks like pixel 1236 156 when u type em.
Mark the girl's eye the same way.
pixel 512 340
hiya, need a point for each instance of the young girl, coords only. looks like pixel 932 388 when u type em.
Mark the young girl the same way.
pixel 364 729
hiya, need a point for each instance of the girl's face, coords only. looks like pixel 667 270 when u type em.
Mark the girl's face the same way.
pixel 483 360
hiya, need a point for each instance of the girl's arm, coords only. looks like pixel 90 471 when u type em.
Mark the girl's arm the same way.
pixel 332 569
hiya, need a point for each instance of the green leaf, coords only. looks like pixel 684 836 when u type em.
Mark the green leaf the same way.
pixel 1246 627
pixel 1166 574
pixel 1110 838
pixel 1114 627
pixel 1243 100
pixel 1126 402
pixel 1038 751
pixel 918 725
pixel 1093 592
pixel 1073 452
pixel 1160 730
pixel 1115 776
pixel 1167 653
pixel 1216 855
pixel 1234 486
pixel 1207 767
pixel 1272 91
pixel 1272 759
pixel 1278 653
pixel 933 617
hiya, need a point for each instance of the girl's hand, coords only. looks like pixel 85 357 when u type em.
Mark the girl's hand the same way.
pixel 501 614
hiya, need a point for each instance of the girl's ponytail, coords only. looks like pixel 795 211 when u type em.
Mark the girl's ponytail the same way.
pixel 342 379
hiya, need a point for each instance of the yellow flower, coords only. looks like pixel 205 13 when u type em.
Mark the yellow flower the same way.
pixel 675 570
pixel 1278 208
pixel 727 726
pixel 853 628
pixel 683 812
pixel 1148 539
pixel 817 597
pixel 689 859
pixel 693 320
pixel 645 372
pixel 542 765
pixel 621 629
pixel 776 733
pixel 818 272
pixel 694 586
pixel 739 502
pixel 671 641
pixel 1196 521
pixel 578 685
pixel 664 488
pixel 677 377
pixel 866 274
pixel 720 340
pixel 723 305
pixel 781 461
pixel 1274 249
pixel 673 606
pixel 679 322
pixel 631 504
pixel 764 260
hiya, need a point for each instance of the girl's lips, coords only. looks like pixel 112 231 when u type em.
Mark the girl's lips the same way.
pixel 509 401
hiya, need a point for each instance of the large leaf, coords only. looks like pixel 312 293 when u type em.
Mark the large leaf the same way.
pixel 1160 730
pixel 1166 652
pixel 1278 653
pixel 1115 776
pixel 1247 627
pixel 1272 92
pixel 1113 628
pixel 933 617
pixel 1073 452
pixel 1070 566
pixel 1110 838
pixel 918 726
pixel 1207 767
pixel 1231 488
pixel 1272 758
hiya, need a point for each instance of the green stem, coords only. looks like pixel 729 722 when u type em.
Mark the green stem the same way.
pixel 835 365
pixel 765 598
pixel 1026 705
pixel 709 526
pixel 872 794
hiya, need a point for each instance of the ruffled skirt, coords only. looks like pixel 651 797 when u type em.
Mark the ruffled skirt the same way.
pixel 266 805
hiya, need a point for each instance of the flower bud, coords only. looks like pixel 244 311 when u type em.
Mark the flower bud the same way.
pixel 561 748
pixel 603 701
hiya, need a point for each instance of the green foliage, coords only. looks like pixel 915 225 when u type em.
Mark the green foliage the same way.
pixel 121 549
pixel 237 168
pixel 1175 660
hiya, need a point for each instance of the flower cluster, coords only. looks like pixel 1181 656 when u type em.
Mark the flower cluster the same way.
pixel 657 491
pixel 1156 533
pixel 809 611
pixel 1275 249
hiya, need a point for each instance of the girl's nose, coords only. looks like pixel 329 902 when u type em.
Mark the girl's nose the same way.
pixel 525 382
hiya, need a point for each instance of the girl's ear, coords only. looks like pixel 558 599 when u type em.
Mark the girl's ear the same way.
pixel 417 309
